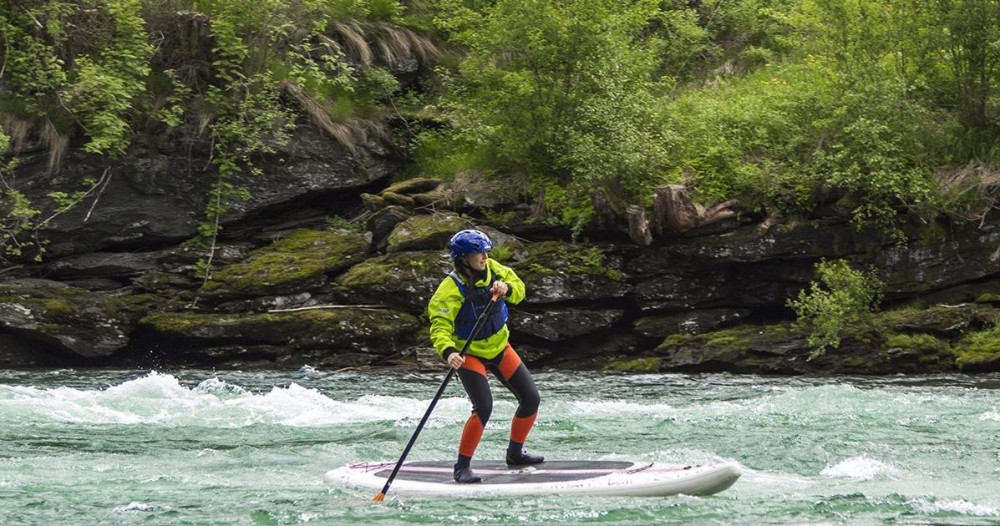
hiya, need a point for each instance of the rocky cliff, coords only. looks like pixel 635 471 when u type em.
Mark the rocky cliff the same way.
pixel 332 260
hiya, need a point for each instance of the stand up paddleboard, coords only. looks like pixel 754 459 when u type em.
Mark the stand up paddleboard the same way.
pixel 574 477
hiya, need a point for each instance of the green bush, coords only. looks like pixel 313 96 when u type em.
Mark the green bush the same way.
pixel 790 135
pixel 560 93
pixel 842 298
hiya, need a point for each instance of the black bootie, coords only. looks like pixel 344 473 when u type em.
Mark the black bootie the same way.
pixel 464 475
pixel 520 458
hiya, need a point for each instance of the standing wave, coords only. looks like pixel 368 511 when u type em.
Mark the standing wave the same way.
pixel 161 399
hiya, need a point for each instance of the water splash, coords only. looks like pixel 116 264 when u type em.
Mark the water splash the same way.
pixel 859 468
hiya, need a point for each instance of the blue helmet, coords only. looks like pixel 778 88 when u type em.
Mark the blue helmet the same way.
pixel 468 242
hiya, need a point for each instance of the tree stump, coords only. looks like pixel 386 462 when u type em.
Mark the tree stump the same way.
pixel 674 212
pixel 638 226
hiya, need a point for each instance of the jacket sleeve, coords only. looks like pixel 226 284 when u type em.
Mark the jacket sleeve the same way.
pixel 442 311
pixel 508 276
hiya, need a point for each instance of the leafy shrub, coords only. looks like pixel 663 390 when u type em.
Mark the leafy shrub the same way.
pixel 560 93
pixel 842 298
pixel 788 136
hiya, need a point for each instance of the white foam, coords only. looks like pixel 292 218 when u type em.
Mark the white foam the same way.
pixel 134 507
pixel 993 416
pixel 161 399
pixel 618 408
pixel 859 468
pixel 219 387
pixel 955 506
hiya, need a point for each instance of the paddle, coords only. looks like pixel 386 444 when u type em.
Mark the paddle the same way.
pixel 451 372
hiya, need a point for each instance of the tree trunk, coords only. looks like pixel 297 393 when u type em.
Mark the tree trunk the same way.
pixel 638 226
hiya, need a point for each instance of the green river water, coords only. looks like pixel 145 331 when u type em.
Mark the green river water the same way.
pixel 200 447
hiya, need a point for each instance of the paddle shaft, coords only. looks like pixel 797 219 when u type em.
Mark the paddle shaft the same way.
pixel 437 396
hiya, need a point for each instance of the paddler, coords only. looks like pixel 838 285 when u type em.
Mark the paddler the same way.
pixel 453 310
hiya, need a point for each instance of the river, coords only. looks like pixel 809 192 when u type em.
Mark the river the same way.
pixel 251 448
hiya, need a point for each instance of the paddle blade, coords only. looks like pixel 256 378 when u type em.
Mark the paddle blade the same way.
pixel 379 498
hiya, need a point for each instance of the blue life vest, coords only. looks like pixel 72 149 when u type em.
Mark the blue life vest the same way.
pixel 477 299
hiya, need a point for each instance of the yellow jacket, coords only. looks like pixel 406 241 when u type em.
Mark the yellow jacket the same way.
pixel 448 299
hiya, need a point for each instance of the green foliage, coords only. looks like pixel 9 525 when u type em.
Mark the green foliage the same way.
pixel 842 298
pixel 789 105
pixel 106 84
pixel 832 102
pixel 922 73
pixel 172 111
pixel 89 69
pixel 33 69
pixel 846 100
pixel 444 154
pixel 250 121
pixel 792 134
pixel 91 79
pixel 591 261
pixel 66 200
pixel 17 214
pixel 947 52
pixel 263 50
pixel 67 67
pixel 558 92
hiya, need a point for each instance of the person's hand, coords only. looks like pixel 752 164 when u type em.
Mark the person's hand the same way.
pixel 499 288
pixel 455 360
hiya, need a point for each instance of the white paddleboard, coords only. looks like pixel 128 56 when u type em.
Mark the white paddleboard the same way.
pixel 572 477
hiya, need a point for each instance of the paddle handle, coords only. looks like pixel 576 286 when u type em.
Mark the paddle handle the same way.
pixel 437 396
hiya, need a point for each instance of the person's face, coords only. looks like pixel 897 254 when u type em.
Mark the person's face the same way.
pixel 477 260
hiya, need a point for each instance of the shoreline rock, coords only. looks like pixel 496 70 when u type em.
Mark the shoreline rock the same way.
pixel 338 273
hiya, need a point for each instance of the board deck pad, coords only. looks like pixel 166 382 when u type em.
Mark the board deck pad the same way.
pixel 497 472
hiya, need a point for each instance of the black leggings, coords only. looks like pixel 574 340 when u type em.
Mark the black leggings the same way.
pixel 513 374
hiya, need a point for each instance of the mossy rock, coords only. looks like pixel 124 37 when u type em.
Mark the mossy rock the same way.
pixel 297 262
pixel 916 353
pixel 941 320
pixel 133 307
pixel 782 349
pixel 978 351
pixel 916 342
pixel 356 329
pixel 373 202
pixel 425 232
pixel 551 257
pixel 766 349
pixel 417 185
pixel 435 197
pixel 380 223
pixel 989 298
pixel 164 282
pixel 398 199
pixel 554 271
pixel 66 319
pixel 691 322
pixel 635 365
pixel 401 279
